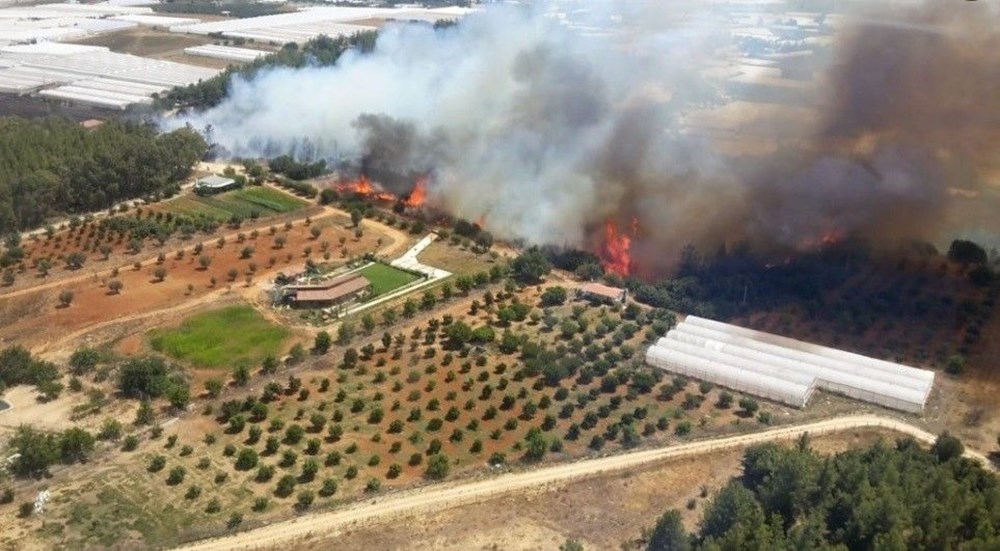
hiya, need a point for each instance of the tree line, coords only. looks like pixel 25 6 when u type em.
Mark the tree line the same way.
pixel 51 167
pixel 885 496
pixel 321 51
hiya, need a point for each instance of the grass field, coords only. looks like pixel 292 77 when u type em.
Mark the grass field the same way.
pixel 242 202
pixel 221 338
pixel 385 278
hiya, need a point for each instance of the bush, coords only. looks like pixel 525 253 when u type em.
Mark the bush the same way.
pixel 246 459
pixel 176 475
pixel 305 500
pixel 438 467
pixel 329 488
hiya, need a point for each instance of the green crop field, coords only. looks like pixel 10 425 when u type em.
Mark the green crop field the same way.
pixel 242 202
pixel 221 338
pixel 385 278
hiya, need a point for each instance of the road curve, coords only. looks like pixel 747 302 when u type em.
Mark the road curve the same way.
pixel 442 496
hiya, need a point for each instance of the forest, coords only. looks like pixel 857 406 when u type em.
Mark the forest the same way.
pixel 51 167
pixel 885 496
pixel 321 51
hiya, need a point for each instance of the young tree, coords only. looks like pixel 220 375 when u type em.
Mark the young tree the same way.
pixel 749 406
pixel 322 342
pixel 66 297
pixel 160 273
pixel 554 296
pixel 241 374
pixel 146 414
pixel 438 466
pixel 204 261
pixel 115 286
pixel 213 387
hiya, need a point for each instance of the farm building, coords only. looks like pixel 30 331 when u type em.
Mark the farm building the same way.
pixel 336 291
pixel 603 293
pixel 214 184
pixel 783 369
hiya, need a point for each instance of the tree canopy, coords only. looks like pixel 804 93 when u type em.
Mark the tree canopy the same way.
pixel 53 166
pixel 531 266
pixel 880 497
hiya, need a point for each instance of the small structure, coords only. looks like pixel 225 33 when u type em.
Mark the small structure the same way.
pixel 213 184
pixel 334 292
pixel 603 293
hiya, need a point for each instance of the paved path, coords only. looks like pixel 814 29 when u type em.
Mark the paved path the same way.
pixel 442 496
pixel 409 260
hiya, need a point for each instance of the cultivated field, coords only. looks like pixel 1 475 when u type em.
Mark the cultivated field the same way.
pixel 221 338
pixel 385 278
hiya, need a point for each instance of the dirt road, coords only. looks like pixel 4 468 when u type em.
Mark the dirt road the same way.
pixel 438 497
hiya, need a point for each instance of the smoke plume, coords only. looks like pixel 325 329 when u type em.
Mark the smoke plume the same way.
pixel 554 134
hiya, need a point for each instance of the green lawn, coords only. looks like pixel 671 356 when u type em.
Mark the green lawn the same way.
pixel 243 202
pixel 221 338
pixel 385 278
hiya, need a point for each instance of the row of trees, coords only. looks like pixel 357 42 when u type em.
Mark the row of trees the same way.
pixel 321 51
pixel 50 167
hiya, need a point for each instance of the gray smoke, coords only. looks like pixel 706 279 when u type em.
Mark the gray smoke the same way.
pixel 547 132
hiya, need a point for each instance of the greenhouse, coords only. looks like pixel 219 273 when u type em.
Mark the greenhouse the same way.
pixel 761 360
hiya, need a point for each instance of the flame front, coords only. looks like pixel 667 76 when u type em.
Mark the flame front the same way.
pixel 615 251
pixel 364 187
pixel 419 194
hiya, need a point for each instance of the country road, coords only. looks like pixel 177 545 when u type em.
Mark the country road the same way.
pixel 441 496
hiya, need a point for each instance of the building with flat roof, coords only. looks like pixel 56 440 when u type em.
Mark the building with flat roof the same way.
pixel 603 293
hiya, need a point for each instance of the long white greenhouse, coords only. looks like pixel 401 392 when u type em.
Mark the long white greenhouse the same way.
pixel 783 369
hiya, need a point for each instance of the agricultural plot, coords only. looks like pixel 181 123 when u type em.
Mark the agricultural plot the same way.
pixel 221 338
pixel 493 379
pixel 246 203
pixel 385 278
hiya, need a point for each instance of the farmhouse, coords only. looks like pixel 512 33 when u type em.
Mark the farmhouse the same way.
pixel 336 291
pixel 603 293
pixel 213 184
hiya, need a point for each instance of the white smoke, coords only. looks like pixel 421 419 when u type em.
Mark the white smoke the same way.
pixel 547 131
pixel 513 113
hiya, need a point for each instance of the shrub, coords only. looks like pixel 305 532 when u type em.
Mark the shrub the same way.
pixel 246 459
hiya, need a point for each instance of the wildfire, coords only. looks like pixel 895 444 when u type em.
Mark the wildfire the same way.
pixel 364 187
pixel 481 221
pixel 615 251
pixel 419 194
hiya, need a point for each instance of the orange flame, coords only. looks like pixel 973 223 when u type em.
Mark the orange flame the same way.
pixel 481 221
pixel 419 194
pixel 615 250
pixel 365 188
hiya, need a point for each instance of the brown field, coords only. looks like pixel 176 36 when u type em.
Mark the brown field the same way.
pixel 146 41
pixel 185 281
